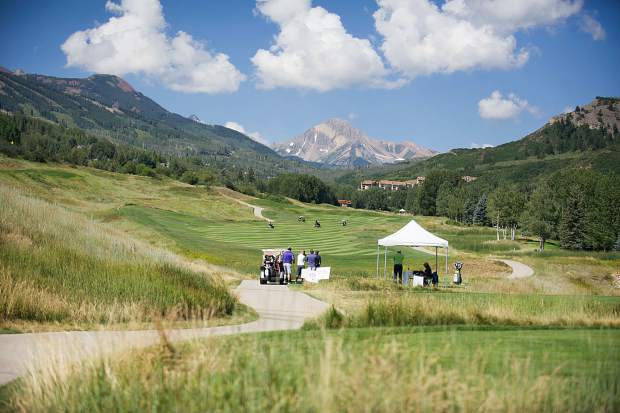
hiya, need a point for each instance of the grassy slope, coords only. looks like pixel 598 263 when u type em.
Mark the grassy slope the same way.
pixel 60 269
pixel 406 369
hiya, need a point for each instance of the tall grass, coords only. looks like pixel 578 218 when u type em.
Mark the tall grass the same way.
pixel 477 309
pixel 58 266
pixel 348 371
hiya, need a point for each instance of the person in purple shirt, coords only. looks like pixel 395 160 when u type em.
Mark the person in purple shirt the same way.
pixel 312 260
pixel 287 258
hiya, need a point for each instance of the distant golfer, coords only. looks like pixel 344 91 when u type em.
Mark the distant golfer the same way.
pixel 287 259
pixel 317 224
pixel 271 225
pixel 398 266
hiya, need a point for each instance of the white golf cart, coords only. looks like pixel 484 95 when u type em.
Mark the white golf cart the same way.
pixel 270 273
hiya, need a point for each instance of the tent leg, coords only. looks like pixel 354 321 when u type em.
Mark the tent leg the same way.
pixel 447 251
pixel 377 274
pixel 385 265
pixel 436 259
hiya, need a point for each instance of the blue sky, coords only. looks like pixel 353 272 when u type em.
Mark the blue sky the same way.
pixel 540 59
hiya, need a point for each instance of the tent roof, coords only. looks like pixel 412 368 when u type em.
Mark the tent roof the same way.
pixel 413 235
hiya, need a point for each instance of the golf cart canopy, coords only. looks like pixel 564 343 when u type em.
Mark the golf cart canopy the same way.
pixel 413 235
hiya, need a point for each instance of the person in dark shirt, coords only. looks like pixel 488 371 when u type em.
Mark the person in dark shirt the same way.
pixel 312 260
pixel 430 276
pixel 317 259
pixel 398 266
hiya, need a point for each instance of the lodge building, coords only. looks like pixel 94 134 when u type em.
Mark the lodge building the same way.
pixel 391 185
pixel 399 185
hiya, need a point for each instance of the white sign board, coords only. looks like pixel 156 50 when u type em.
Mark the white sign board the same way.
pixel 314 276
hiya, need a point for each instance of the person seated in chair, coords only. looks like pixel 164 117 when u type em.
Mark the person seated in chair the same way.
pixel 430 277
pixel 317 224
pixel 271 225
pixel 427 273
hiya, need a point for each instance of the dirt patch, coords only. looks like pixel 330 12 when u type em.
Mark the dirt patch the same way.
pixel 18 240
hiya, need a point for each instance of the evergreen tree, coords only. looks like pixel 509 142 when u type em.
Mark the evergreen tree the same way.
pixel 480 213
pixel 469 209
pixel 572 223
pixel 540 218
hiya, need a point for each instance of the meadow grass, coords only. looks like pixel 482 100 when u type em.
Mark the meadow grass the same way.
pixel 349 370
pixel 415 309
pixel 58 266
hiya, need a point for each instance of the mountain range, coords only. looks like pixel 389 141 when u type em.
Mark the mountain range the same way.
pixel 587 137
pixel 336 142
pixel 107 106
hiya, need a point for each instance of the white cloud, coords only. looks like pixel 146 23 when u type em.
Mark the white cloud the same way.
pixel 254 135
pixel 507 16
pixel 498 107
pixel 421 38
pixel 475 145
pixel 314 51
pixel 591 26
pixel 135 42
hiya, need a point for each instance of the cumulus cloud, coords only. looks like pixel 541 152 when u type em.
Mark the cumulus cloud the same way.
pixel 497 106
pixel 475 145
pixel 314 51
pixel 135 41
pixel 591 26
pixel 421 38
pixel 254 135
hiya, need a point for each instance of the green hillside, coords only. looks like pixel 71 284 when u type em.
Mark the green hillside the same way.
pixel 107 106
pixel 566 142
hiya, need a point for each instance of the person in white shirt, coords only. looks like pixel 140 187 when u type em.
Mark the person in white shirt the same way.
pixel 301 263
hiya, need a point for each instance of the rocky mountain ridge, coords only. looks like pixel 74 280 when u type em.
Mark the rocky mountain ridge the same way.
pixel 336 142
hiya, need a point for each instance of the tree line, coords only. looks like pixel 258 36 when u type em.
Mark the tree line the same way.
pixel 578 207
pixel 41 141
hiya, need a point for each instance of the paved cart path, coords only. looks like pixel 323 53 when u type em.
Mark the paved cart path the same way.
pixel 519 270
pixel 278 308
pixel 258 211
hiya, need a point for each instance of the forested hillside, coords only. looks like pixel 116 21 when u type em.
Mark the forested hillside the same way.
pixel 108 107
pixel 42 141
pixel 567 140
pixel 560 182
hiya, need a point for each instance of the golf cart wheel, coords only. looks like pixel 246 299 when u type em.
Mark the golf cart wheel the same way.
pixel 281 281
pixel 263 281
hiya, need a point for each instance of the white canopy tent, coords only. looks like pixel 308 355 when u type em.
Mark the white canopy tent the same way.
pixel 411 235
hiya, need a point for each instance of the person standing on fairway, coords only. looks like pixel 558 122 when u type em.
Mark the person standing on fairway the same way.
pixel 317 259
pixel 312 260
pixel 398 266
pixel 287 259
pixel 301 262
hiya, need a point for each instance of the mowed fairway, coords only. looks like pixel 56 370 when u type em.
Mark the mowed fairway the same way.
pixel 349 249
